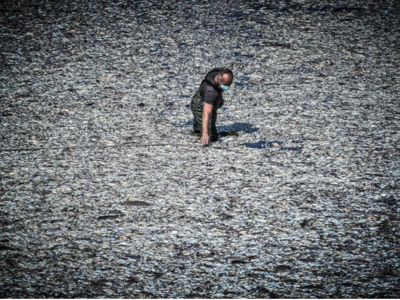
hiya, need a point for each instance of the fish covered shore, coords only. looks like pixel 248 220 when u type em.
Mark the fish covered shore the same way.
pixel 105 192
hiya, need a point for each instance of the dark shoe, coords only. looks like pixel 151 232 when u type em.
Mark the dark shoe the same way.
pixel 214 139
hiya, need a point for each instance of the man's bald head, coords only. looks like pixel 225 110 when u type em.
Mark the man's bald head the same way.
pixel 225 77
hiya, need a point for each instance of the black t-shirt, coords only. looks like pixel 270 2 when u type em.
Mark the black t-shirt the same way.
pixel 209 89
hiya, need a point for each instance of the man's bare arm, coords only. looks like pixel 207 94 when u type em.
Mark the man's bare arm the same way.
pixel 207 109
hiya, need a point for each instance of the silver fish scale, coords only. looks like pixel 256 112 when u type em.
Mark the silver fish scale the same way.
pixel 104 192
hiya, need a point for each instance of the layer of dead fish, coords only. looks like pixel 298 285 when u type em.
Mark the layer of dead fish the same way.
pixel 299 198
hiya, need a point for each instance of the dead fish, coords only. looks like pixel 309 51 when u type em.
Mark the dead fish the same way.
pixel 239 261
pixel 131 280
pixel 283 268
pixel 311 286
pixel 109 217
pixel 307 222
pixel 137 203
pixel 133 256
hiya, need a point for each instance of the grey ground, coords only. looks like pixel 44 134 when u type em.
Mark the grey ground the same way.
pixel 122 201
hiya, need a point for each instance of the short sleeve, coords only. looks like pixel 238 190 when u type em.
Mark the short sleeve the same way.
pixel 210 97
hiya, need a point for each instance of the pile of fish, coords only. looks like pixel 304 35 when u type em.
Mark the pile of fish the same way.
pixel 106 193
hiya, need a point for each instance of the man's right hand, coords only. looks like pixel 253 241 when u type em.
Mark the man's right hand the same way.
pixel 205 139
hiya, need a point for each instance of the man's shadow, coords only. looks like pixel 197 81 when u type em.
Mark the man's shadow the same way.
pixel 235 128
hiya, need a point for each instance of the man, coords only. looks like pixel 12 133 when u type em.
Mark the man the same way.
pixel 206 102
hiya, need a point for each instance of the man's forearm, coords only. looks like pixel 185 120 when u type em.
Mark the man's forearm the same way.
pixel 207 110
pixel 206 121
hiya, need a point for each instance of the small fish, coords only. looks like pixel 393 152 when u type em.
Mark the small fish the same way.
pixel 137 203
pixel 283 268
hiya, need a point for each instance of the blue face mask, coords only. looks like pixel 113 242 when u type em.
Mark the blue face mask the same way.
pixel 225 88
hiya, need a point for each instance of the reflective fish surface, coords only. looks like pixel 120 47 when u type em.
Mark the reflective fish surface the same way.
pixel 106 193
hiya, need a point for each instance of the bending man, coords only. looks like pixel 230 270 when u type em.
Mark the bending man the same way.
pixel 206 102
